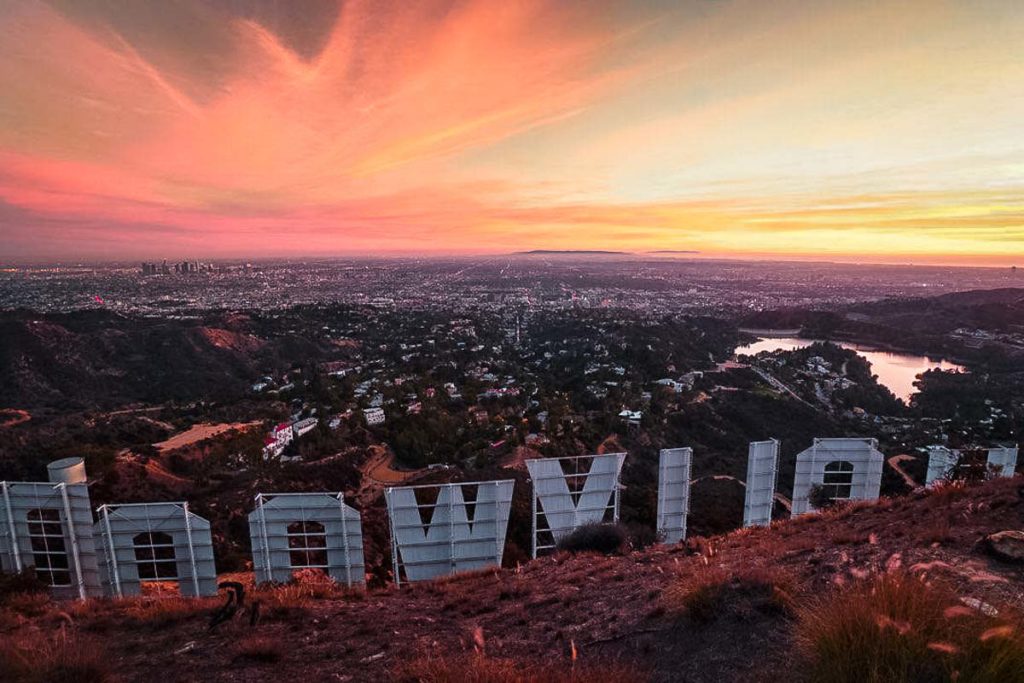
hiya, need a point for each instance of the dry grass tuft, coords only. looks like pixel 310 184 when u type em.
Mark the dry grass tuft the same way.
pixel 283 602
pixel 159 613
pixel 29 604
pixel 898 628
pixel 62 659
pixel 712 592
pixel 257 648
pixel 478 668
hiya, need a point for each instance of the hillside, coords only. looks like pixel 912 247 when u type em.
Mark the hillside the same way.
pixel 920 324
pixel 726 608
pixel 97 359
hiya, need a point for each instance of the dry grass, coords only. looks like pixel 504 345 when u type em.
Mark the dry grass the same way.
pixel 263 649
pixel 939 531
pixel 62 659
pixel 159 613
pixel 283 602
pixel 28 604
pixel 478 668
pixel 897 628
pixel 712 592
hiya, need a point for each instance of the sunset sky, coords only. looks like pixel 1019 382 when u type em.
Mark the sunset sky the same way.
pixel 860 129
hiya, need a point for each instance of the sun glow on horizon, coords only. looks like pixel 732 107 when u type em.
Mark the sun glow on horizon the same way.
pixel 883 132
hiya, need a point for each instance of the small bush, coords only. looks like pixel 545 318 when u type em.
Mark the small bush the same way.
pixel 641 536
pixel 261 649
pixel 160 613
pixel 820 497
pixel 478 668
pixel 61 660
pixel 713 592
pixel 598 538
pixel 898 628
pixel 25 581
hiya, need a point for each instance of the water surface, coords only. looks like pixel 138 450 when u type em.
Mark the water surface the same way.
pixel 896 371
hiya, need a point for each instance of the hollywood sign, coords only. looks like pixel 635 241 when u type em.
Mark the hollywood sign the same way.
pixel 436 530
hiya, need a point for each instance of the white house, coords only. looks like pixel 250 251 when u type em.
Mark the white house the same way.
pixel 305 426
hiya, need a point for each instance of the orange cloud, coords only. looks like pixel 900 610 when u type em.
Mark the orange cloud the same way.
pixel 732 128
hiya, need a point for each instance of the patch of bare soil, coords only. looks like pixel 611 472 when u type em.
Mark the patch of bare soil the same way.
pixel 201 432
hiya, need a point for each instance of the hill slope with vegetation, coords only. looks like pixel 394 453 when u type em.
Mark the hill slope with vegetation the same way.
pixel 901 589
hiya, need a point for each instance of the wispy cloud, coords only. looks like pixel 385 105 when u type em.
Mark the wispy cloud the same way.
pixel 736 127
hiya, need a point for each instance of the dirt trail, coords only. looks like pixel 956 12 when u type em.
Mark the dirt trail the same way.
pixel 894 462
pixel 10 417
pixel 379 471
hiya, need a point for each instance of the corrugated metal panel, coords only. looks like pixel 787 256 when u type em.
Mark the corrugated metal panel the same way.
pixel 74 548
pixel 862 454
pixel 132 537
pixel 334 545
pixel 674 465
pixel 940 461
pixel 1003 459
pixel 571 491
pixel 762 475
pixel 451 540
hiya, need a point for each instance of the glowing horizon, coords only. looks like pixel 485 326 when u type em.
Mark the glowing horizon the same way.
pixel 886 132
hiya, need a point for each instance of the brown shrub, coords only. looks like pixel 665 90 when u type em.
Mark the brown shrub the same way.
pixel 29 604
pixel 159 613
pixel 713 592
pixel 17 583
pixel 478 668
pixel 937 530
pixel 62 659
pixel 898 628
pixel 596 538
pixel 849 537
pixel 257 648
pixel 284 602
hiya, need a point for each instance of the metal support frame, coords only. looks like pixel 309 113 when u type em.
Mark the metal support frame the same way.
pixel 70 522
pixel 260 501
pixel 748 503
pixel 15 550
pixel 345 545
pixel 453 558
pixel 674 494
pixel 191 549
pixel 114 569
pixel 265 525
pixel 613 505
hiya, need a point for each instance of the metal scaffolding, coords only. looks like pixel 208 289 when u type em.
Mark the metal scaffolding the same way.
pixel 49 526
pixel 571 491
pixel 297 531
pixel 457 535
pixel 674 465
pixel 762 477
pixel 1001 462
pixel 851 468
pixel 156 543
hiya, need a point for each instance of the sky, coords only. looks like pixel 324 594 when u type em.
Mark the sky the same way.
pixel 860 130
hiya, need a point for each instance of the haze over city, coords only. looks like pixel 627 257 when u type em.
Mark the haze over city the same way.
pixel 884 131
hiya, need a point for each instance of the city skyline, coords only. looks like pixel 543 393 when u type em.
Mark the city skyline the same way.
pixel 884 133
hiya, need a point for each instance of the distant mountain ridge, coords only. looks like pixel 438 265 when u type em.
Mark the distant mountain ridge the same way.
pixel 579 252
